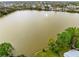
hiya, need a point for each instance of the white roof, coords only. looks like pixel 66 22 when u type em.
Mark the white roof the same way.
pixel 71 53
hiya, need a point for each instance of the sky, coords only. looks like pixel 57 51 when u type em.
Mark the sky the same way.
pixel 39 0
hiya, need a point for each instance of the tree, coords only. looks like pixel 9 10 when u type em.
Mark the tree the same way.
pixel 65 41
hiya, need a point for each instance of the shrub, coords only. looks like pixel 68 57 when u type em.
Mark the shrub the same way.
pixel 6 49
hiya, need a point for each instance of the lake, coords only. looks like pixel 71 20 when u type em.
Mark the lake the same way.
pixel 29 31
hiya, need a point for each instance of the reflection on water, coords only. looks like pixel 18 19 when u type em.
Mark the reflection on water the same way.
pixel 28 31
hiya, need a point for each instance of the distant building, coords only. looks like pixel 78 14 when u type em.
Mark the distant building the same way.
pixel 73 7
pixel 33 6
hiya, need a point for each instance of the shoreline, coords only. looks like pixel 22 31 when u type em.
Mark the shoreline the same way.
pixel 6 11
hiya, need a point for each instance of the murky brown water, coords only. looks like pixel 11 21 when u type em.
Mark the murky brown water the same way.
pixel 28 31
